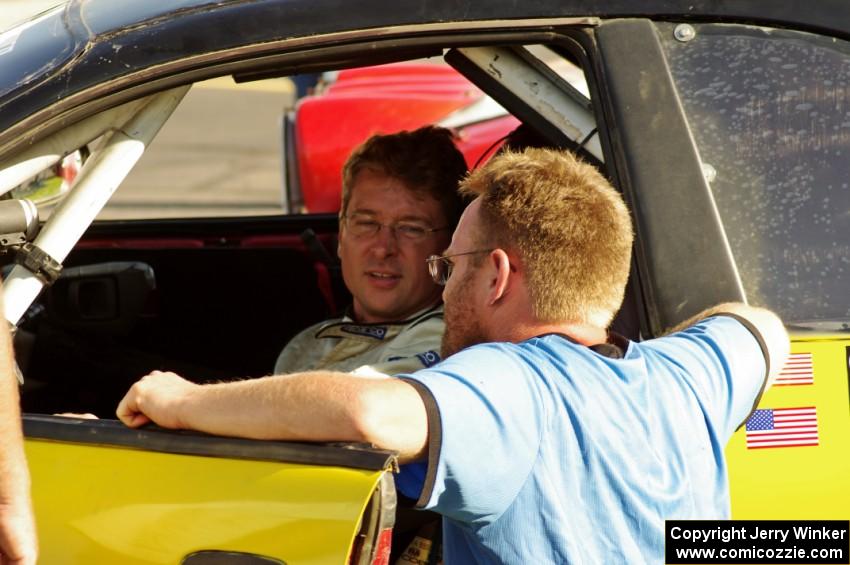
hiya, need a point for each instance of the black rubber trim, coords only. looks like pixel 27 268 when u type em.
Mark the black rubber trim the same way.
pixel 764 351
pixel 153 438
pixel 435 440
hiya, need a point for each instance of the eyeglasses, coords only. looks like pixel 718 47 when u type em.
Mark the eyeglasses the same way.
pixel 364 227
pixel 440 266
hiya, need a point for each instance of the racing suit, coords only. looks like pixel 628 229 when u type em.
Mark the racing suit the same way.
pixel 341 344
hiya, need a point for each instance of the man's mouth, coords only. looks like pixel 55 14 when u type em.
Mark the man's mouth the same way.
pixel 382 276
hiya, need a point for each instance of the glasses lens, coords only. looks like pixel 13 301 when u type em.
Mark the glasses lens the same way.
pixel 437 268
pixel 412 232
pixel 363 227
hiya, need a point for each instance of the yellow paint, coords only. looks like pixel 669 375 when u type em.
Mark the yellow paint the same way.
pixel 132 507
pixel 800 482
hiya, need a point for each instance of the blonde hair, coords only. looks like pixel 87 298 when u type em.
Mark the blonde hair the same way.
pixel 569 227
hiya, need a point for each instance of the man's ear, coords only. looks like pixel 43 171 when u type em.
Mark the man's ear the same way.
pixel 499 265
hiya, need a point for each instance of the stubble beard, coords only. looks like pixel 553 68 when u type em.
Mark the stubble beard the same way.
pixel 463 328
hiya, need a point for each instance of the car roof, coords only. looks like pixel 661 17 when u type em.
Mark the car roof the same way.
pixel 88 42
pixel 111 15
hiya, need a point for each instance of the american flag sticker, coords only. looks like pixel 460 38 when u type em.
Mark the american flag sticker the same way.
pixel 798 370
pixel 782 427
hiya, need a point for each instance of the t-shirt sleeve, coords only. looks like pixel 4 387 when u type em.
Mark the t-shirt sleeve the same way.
pixel 484 408
pixel 722 359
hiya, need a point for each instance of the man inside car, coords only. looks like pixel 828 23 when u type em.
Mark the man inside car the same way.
pixel 400 204
pixel 543 438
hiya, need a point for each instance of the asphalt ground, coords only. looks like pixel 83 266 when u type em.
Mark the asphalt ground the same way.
pixel 218 155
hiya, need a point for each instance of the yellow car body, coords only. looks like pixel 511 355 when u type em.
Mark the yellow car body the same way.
pixel 800 481
pixel 132 506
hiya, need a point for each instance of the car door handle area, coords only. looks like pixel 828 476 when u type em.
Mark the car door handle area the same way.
pixel 214 557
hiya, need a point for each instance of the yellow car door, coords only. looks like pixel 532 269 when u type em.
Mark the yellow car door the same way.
pixel 107 494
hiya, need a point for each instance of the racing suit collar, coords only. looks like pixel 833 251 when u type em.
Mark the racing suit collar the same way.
pixel 346 327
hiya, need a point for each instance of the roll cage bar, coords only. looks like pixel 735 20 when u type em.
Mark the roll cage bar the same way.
pixel 130 129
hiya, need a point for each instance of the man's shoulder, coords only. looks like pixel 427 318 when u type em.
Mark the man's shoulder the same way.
pixel 481 360
pixel 433 313
pixel 734 331
pixel 418 338
pixel 430 320
pixel 714 349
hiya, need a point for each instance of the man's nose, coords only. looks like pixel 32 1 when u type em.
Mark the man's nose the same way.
pixel 386 241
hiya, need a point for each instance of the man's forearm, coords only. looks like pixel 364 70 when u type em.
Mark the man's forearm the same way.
pixel 279 407
pixel 316 406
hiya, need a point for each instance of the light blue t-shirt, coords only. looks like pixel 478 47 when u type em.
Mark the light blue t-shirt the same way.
pixel 548 452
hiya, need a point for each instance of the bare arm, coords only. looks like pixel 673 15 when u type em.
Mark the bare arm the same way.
pixel 766 323
pixel 316 406
pixel 17 531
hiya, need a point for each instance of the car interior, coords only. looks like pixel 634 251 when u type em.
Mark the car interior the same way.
pixel 217 297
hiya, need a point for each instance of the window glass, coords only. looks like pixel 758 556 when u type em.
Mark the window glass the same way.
pixel 770 113
pixel 218 155
pixel 562 67
pixel 277 146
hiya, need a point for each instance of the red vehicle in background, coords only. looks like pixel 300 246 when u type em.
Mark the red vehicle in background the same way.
pixel 325 127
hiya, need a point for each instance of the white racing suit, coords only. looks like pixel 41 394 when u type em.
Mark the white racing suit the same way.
pixel 341 344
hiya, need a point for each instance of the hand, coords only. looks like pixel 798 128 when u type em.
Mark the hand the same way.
pixel 156 398
pixel 18 544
